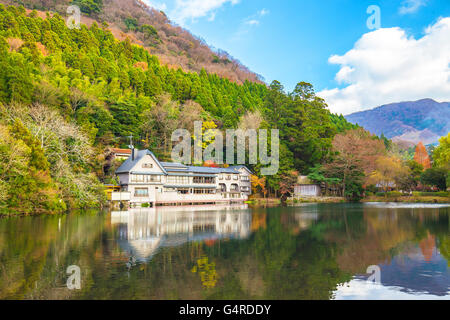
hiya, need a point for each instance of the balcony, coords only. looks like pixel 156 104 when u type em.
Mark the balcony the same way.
pixel 120 196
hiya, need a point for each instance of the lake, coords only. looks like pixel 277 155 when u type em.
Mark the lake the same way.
pixel 310 251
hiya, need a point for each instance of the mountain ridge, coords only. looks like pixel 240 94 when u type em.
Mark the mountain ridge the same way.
pixel 423 120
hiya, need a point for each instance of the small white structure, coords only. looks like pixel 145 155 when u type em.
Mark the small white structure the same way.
pixel 305 188
pixel 146 180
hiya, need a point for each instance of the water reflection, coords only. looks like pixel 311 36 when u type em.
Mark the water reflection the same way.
pixel 411 246
pixel 304 252
pixel 143 231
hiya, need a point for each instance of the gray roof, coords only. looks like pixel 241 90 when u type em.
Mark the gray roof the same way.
pixel 239 167
pixel 128 165
pixel 173 164
pixel 178 167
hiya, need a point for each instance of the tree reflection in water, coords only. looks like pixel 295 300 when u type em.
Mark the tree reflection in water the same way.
pixel 304 252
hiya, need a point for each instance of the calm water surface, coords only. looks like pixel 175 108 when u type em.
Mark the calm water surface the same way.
pixel 304 252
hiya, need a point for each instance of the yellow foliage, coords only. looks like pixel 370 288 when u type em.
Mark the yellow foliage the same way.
pixel 207 272
pixel 387 170
pixel 441 154
pixel 258 182
pixel 208 134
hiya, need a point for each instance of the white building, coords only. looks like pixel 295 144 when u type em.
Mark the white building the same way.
pixel 143 179
pixel 305 188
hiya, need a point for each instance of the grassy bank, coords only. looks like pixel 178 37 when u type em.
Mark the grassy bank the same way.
pixel 263 201
pixel 441 197
pixel 316 200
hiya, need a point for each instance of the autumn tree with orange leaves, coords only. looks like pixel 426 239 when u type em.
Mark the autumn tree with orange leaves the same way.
pixel 421 156
pixel 287 184
pixel 356 152
pixel 258 183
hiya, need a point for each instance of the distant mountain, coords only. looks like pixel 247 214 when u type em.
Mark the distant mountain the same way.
pixel 424 120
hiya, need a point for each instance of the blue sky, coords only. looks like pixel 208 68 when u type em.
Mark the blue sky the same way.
pixel 293 40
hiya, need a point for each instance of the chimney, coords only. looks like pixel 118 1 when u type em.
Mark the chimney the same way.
pixel 134 153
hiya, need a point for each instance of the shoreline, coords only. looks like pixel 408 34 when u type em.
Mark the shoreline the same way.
pixel 405 199
pixel 277 201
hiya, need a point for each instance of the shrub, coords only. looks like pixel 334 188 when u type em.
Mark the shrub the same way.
pixel 434 194
pixel 89 6
pixel 389 194
pixel 394 194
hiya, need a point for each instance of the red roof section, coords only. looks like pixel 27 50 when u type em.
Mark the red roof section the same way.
pixel 116 150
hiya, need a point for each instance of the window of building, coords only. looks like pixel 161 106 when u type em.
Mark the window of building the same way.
pixel 183 190
pixel 245 178
pixel 234 187
pixel 235 177
pixel 141 192
pixel 204 180
pixel 140 178
pixel 137 178
pixel 204 191
pixel 178 180
pixel 228 177
pixel 147 165
pixel 153 178
pixel 220 176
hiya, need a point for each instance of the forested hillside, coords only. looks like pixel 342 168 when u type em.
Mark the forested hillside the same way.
pixel 67 95
pixel 151 28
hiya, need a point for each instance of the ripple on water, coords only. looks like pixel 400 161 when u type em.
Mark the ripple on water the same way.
pixel 406 205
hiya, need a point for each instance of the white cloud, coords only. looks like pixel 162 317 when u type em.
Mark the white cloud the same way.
pixel 156 5
pixel 263 12
pixel 253 19
pixel 252 22
pixel 247 24
pixel 185 10
pixel 387 66
pixel 411 6
pixel 212 17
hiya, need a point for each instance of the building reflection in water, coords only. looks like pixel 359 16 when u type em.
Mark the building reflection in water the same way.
pixel 300 218
pixel 142 231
